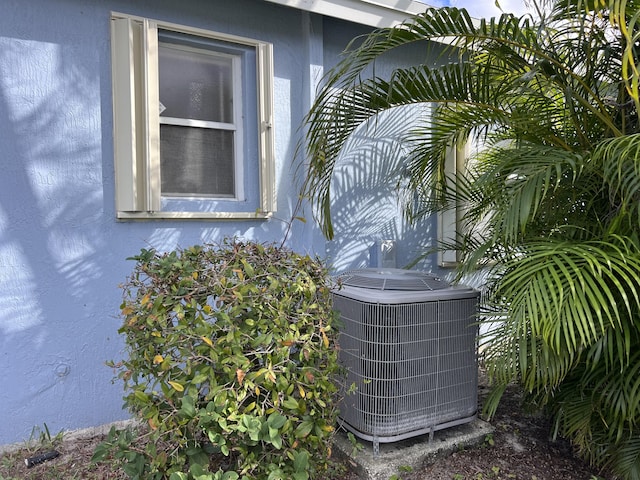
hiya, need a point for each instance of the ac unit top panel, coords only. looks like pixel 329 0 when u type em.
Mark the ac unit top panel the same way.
pixel 395 286
pixel 392 279
pixel 394 297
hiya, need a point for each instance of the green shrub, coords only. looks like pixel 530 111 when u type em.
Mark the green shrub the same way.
pixel 231 363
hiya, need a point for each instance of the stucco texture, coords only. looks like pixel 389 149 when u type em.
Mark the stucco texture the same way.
pixel 62 251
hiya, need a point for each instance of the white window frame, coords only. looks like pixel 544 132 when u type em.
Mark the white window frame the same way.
pixel 136 116
pixel 449 220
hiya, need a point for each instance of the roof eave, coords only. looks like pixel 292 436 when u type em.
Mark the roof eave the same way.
pixel 375 13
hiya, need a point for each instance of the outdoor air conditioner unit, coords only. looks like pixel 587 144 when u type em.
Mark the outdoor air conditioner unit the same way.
pixel 408 341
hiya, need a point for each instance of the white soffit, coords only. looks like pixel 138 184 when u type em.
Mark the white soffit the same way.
pixel 375 13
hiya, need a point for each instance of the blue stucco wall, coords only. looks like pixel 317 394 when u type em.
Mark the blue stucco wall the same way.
pixel 366 200
pixel 62 252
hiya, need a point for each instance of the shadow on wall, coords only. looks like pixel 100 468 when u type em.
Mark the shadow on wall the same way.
pixel 52 242
pixel 366 195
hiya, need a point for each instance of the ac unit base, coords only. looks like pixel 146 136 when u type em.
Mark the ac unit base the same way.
pixel 410 434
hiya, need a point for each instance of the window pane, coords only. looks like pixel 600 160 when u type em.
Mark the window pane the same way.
pixel 196 161
pixel 195 84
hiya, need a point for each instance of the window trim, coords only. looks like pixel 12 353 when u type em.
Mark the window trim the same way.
pixel 134 54
pixel 449 221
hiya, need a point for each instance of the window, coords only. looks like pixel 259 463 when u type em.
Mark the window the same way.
pixel 193 133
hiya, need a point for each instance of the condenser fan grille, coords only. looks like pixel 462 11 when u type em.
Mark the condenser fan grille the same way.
pixel 392 279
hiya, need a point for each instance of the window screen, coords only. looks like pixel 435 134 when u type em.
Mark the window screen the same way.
pixel 196 161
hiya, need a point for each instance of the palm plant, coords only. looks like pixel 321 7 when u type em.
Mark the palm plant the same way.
pixel 552 201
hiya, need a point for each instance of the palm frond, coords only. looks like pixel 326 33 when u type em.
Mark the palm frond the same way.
pixel 569 294
pixel 625 458
pixel 620 163
pixel 530 178
pixel 598 408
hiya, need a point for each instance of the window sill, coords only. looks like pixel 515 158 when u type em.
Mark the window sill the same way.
pixel 194 215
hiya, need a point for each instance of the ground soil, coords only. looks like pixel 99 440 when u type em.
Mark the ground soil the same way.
pixel 520 449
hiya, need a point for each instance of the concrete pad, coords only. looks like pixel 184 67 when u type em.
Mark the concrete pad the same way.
pixel 413 453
